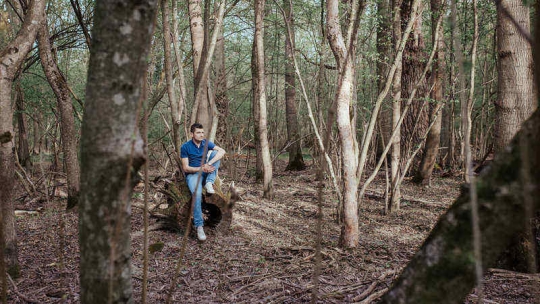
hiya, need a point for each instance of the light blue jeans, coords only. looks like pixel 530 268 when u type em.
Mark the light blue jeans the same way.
pixel 191 180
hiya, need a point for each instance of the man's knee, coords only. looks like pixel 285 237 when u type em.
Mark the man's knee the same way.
pixel 212 154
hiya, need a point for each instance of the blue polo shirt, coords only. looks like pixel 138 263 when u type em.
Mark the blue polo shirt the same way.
pixel 193 153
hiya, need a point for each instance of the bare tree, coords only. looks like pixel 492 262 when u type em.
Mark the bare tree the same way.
pixel 395 154
pixel 344 52
pixel 59 85
pixel 175 112
pixel 431 149
pixel 222 100
pixel 23 150
pixel 414 58
pixel 259 97
pixel 11 58
pixel 111 147
pixel 201 111
pixel 296 160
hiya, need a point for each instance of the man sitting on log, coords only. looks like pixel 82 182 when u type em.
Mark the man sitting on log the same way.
pixel 191 154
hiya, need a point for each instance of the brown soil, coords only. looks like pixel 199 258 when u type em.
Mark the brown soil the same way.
pixel 267 258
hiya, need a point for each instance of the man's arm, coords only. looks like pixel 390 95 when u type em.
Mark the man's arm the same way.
pixel 187 169
pixel 219 155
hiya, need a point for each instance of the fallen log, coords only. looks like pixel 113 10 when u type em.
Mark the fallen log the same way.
pixel 217 207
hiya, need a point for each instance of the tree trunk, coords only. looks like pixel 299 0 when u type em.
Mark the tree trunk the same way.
pixel 259 98
pixel 517 97
pixel 23 151
pixel 201 111
pixel 395 156
pixel 414 58
pixel 503 194
pixel 36 145
pixel 175 116
pixel 111 147
pixel 11 58
pixel 60 88
pixel 296 160
pixel 255 111
pixel 384 50
pixel 222 101
pixel 431 149
pixel 344 52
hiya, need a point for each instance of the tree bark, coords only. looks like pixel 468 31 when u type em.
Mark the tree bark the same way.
pixel 296 160
pixel 11 58
pixel 255 111
pixel 414 58
pixel 344 52
pixel 259 97
pixel 517 97
pixel 431 149
pixel 201 111
pixel 395 156
pixel 181 79
pixel 36 129
pixel 59 85
pixel 222 101
pixel 384 50
pixel 503 194
pixel 175 116
pixel 111 147
pixel 23 150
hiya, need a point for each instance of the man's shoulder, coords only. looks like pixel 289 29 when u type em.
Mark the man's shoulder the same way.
pixel 185 148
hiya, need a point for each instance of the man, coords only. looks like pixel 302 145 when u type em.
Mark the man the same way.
pixel 193 162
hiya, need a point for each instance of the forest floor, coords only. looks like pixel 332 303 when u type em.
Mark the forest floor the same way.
pixel 268 256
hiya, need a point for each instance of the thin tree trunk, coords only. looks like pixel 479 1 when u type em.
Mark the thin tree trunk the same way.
pixel 175 112
pixel 431 149
pixel 182 101
pixel 11 58
pixel 467 106
pixel 255 112
pixel 395 156
pixel 36 145
pixel 260 97
pixel 60 88
pixel 23 151
pixel 222 101
pixel 111 147
pixel 344 52
pixel 296 160
pixel 384 50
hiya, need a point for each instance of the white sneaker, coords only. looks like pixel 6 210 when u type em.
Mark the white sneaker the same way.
pixel 200 234
pixel 209 188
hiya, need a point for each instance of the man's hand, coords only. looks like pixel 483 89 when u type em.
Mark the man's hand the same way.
pixel 208 168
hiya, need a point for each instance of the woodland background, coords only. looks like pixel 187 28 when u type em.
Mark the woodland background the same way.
pixel 353 101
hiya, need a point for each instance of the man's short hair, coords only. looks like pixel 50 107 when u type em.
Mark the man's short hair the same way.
pixel 195 126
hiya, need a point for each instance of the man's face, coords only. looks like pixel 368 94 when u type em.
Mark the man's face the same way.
pixel 198 135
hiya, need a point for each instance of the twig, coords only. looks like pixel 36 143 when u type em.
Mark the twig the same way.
pixel 20 295
pixel 371 287
pixel 374 296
